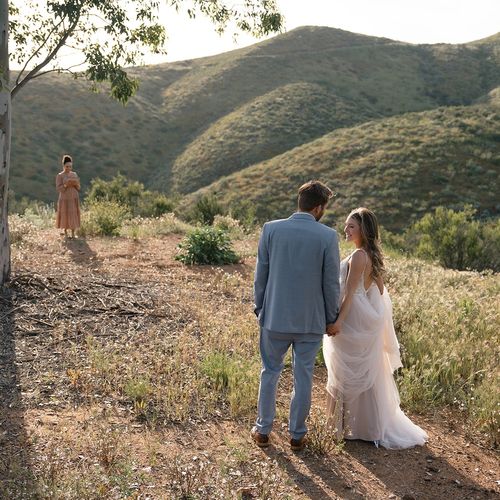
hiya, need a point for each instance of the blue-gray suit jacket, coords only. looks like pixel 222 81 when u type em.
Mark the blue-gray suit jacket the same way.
pixel 296 284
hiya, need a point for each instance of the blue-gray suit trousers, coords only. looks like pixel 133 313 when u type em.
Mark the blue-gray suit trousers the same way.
pixel 273 348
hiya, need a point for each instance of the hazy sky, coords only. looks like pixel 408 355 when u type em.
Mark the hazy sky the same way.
pixel 415 21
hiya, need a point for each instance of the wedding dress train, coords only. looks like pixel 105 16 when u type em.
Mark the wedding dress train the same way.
pixel 363 400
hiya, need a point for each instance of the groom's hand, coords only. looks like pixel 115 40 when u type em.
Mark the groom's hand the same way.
pixel 333 329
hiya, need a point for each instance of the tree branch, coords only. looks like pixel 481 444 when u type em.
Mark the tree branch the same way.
pixel 59 70
pixel 49 58
pixel 37 51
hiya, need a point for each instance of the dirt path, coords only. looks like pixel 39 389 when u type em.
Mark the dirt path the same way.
pixel 38 421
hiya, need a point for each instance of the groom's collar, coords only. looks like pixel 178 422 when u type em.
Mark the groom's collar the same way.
pixel 303 216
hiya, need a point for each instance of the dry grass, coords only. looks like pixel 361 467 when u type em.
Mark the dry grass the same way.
pixel 135 376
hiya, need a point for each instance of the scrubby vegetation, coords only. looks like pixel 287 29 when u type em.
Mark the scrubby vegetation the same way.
pixel 447 323
pixel 401 167
pixel 207 245
pixel 167 350
pixel 456 239
pixel 132 195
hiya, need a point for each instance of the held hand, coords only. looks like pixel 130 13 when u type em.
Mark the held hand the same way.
pixel 333 329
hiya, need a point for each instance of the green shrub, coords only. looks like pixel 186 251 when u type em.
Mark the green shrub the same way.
pixel 207 245
pixel 131 194
pixel 119 189
pixel 392 241
pixel 205 210
pixel 154 204
pixel 455 239
pixel 489 257
pixel 103 218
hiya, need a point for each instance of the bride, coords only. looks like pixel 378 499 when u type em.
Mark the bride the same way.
pixel 361 350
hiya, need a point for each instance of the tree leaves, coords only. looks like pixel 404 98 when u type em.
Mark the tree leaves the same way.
pixel 113 34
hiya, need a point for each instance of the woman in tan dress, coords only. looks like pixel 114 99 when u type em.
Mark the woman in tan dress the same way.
pixel 68 204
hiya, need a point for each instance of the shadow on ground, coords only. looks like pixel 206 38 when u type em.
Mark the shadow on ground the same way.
pixel 416 472
pixel 80 252
pixel 16 476
pixel 362 471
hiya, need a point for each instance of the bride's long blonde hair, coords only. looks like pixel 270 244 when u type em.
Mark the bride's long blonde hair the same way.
pixel 370 233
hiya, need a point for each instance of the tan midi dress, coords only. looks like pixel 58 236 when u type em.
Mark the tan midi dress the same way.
pixel 68 204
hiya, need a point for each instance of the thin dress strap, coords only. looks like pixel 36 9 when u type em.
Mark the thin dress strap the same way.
pixel 366 262
pixel 362 281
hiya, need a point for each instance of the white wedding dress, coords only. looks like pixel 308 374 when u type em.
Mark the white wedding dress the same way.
pixel 363 400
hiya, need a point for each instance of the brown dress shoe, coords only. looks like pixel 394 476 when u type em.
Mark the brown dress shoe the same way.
pixel 297 444
pixel 261 440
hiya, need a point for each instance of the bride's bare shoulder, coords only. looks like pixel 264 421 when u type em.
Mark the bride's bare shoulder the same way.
pixel 360 254
pixel 358 259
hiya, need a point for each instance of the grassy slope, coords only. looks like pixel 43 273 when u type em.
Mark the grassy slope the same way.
pixel 374 77
pixel 57 114
pixel 401 167
pixel 244 137
pixel 185 113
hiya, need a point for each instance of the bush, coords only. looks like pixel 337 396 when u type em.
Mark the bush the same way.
pixel 207 245
pixel 205 210
pixel 131 194
pixel 456 239
pixel 103 218
pixel 155 204
pixel 489 257
pixel 392 241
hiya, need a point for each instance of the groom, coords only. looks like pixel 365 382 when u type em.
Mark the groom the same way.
pixel 296 291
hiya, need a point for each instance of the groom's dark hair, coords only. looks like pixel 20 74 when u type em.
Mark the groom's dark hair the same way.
pixel 312 194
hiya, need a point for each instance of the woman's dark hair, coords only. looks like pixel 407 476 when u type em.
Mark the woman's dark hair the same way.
pixel 370 234
pixel 313 194
pixel 67 159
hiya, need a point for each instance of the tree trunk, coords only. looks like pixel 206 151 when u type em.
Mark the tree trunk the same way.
pixel 5 118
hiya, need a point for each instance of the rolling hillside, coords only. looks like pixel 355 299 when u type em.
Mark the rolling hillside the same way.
pixel 402 167
pixel 195 121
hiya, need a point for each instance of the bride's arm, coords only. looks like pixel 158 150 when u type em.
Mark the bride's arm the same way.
pixel 357 264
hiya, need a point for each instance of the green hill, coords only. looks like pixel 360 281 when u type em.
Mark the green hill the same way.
pixel 195 121
pixel 56 114
pixel 402 167
pixel 265 127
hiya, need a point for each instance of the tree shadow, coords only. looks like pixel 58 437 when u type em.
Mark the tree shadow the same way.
pixel 413 473
pixel 416 472
pixel 80 251
pixel 16 474
pixel 319 478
